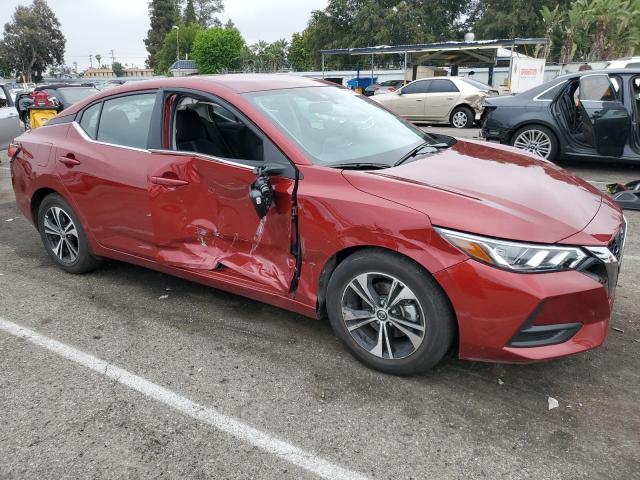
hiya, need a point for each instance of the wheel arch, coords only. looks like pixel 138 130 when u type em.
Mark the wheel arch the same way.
pixel 36 200
pixel 340 256
pixel 533 123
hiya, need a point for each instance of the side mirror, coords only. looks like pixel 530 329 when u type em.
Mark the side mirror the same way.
pixel 261 191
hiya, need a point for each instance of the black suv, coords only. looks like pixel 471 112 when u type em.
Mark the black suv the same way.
pixel 585 114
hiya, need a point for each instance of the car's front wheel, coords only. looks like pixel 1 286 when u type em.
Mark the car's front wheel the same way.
pixel 63 237
pixel 389 312
pixel 538 140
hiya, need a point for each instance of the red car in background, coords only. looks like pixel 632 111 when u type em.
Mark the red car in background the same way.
pixel 312 198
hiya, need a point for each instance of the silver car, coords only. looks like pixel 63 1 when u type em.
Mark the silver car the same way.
pixel 453 100
pixel 9 122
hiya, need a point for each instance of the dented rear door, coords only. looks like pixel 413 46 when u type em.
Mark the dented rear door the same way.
pixel 203 219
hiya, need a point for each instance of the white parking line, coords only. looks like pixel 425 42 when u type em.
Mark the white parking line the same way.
pixel 210 416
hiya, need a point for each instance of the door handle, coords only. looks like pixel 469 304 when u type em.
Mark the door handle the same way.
pixel 449 98
pixel 418 99
pixel 169 182
pixel 69 160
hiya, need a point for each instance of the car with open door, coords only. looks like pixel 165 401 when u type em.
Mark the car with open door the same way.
pixel 587 115
pixel 315 199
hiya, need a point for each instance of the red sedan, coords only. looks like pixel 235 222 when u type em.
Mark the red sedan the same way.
pixel 312 198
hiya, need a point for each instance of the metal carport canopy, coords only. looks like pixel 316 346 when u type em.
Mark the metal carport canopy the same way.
pixel 446 48
pixel 452 53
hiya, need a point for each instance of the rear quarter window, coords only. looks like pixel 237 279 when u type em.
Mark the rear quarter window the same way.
pixel 126 120
pixel 89 120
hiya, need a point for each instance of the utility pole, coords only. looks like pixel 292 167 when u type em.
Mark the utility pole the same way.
pixel 113 56
pixel 90 61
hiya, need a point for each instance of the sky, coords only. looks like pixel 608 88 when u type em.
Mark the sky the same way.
pixel 98 26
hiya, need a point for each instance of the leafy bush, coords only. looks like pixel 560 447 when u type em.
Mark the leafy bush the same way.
pixel 216 50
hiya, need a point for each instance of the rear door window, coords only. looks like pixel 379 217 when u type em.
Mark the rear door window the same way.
pixel 439 86
pixel 126 120
pixel 597 88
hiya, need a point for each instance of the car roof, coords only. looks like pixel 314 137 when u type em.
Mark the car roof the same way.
pixel 56 86
pixel 616 71
pixel 232 83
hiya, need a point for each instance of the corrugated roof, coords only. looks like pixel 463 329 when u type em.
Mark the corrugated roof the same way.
pixel 426 47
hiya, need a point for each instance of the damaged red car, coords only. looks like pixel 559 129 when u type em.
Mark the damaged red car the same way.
pixel 314 199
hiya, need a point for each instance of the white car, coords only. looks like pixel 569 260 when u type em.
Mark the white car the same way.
pixel 9 123
pixel 627 62
pixel 453 100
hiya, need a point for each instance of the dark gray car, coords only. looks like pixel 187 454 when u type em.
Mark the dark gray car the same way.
pixel 589 114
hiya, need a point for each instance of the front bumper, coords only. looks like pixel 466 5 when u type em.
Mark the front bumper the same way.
pixel 505 316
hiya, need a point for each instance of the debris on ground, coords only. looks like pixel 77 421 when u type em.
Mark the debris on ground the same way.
pixel 163 297
pixel 553 403
pixel 500 382
pixel 617 329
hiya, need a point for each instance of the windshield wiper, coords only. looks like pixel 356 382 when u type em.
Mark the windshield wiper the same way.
pixel 420 148
pixel 359 166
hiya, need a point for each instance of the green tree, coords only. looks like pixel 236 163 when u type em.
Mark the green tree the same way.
pixel 299 56
pixel 189 15
pixel 216 50
pixel 32 41
pixel 276 55
pixel 164 14
pixel 118 69
pixel 510 18
pixel 206 11
pixel 360 23
pixel 167 54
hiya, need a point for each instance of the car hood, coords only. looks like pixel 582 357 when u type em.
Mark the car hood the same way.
pixel 488 189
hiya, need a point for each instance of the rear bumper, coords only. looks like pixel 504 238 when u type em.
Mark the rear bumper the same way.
pixel 521 318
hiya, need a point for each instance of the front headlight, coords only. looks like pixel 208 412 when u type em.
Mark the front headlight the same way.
pixel 509 255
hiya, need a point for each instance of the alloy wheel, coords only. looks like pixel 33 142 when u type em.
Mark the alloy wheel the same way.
pixel 61 235
pixel 459 119
pixel 383 315
pixel 534 141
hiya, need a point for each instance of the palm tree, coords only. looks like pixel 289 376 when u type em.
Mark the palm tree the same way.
pixel 98 58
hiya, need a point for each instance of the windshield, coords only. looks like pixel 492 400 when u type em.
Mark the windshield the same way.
pixel 75 94
pixel 336 126
pixel 477 84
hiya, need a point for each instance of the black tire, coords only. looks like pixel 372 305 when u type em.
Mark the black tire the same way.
pixel 458 112
pixel 438 319
pixel 553 140
pixel 72 240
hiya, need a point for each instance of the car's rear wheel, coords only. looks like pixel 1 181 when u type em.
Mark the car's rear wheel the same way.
pixel 389 312
pixel 63 237
pixel 462 117
pixel 538 140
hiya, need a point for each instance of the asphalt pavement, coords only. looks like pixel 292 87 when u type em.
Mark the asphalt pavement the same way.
pixel 130 373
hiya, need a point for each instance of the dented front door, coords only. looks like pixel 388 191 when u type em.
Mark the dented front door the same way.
pixel 203 219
